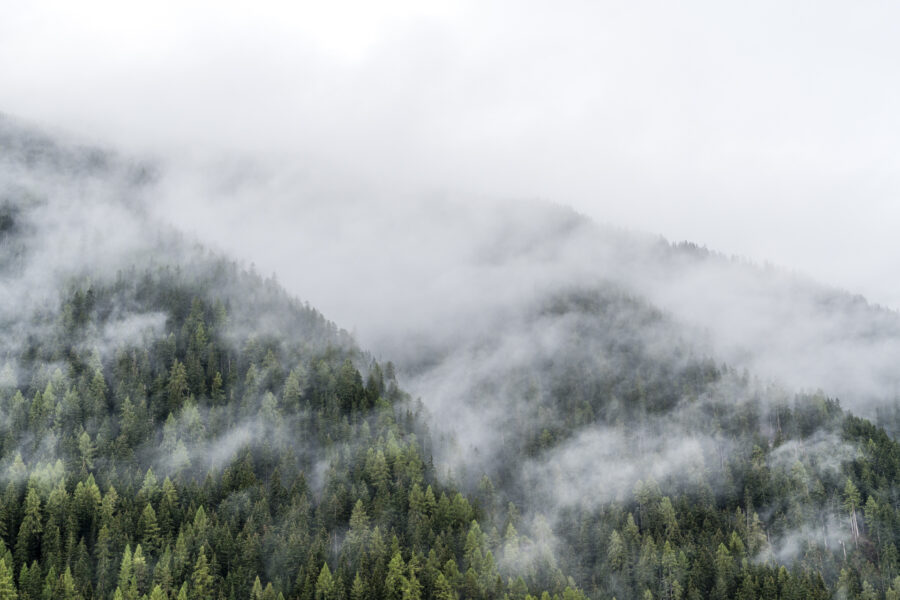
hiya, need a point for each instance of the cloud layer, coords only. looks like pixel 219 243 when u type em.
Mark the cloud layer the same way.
pixel 759 130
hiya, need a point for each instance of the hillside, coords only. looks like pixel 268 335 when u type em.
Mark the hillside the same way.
pixel 176 426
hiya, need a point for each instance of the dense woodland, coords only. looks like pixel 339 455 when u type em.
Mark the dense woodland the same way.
pixel 190 431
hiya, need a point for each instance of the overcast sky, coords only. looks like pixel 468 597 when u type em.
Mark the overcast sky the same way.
pixel 765 129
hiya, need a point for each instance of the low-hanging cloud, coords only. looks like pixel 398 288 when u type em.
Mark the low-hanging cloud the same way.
pixel 671 119
pixel 602 465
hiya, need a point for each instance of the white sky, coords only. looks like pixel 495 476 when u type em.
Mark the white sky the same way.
pixel 765 129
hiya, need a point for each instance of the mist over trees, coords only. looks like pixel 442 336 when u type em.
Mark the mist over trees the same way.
pixel 175 425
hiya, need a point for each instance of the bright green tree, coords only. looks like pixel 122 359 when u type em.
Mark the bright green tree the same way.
pixel 7 586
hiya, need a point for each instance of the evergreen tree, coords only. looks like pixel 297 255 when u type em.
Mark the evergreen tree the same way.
pixel 149 529
pixel 395 581
pixel 29 538
pixel 359 590
pixel 7 585
pixel 201 579
pixel 325 585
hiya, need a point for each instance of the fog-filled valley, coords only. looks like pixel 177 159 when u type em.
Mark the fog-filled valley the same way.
pixel 512 400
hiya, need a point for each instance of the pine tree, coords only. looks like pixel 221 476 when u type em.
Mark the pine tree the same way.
pixel 442 589
pixel 87 450
pixel 269 592
pixel 291 393
pixel 83 570
pixel 177 387
pixel 616 551
pixel 162 572
pixel 157 593
pixel 201 580
pixel 412 589
pixel 358 535
pixel 7 586
pixel 51 588
pixel 359 590
pixel 105 562
pixel 168 508
pixel 851 504
pixel 29 538
pixel 31 581
pixel 67 586
pixel 140 571
pixel 395 580
pixel 724 571
pixel 256 591
pixel 325 585
pixel 149 529
pixel 126 583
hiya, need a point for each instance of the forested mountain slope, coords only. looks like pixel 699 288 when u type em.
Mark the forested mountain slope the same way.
pixel 175 426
